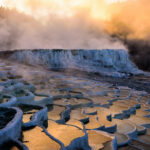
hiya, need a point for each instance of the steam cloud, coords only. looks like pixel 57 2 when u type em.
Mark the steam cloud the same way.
pixel 19 31
pixel 131 24
pixel 126 26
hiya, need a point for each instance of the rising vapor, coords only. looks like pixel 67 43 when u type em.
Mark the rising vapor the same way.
pixel 47 24
pixel 96 24
pixel 130 22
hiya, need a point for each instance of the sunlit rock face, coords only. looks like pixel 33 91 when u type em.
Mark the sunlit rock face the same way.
pixel 114 63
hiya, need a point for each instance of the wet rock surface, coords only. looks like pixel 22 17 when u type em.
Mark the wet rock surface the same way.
pixel 72 110
pixel 6 115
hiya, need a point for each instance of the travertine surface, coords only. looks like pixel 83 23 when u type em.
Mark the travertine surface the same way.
pixel 67 111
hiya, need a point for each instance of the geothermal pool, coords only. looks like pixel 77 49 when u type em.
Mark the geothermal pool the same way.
pixel 73 105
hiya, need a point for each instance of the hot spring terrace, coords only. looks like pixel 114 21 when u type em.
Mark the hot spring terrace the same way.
pixel 114 63
pixel 43 107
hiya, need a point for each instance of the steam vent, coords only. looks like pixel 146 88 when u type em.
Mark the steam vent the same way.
pixel 73 100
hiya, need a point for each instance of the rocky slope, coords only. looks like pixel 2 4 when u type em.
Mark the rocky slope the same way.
pixel 115 63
